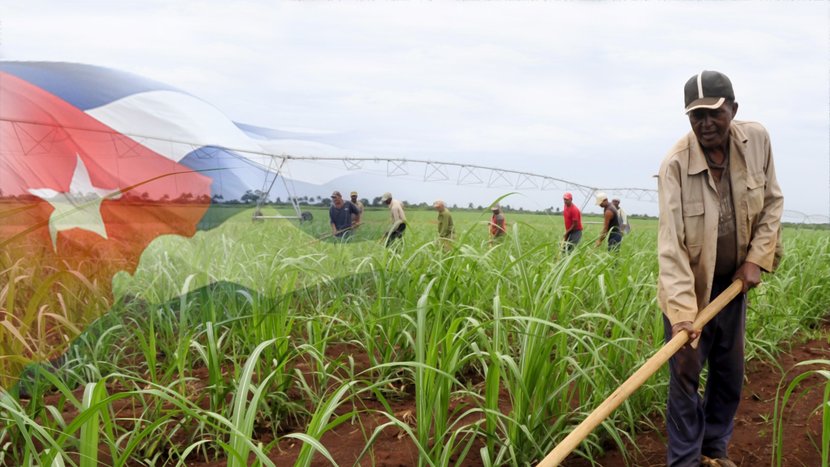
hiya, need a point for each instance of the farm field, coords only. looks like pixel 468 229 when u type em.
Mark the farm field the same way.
pixel 263 344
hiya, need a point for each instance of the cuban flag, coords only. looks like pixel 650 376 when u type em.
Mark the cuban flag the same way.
pixel 95 163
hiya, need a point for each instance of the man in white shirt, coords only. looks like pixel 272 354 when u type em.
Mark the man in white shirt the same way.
pixel 398 218
pixel 625 227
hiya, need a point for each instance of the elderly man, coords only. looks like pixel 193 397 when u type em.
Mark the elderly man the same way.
pixel 720 214
pixel 398 218
pixel 573 223
pixel 343 216
pixel 610 224
pixel 445 225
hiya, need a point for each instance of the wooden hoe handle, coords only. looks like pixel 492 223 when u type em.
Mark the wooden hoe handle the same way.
pixel 555 457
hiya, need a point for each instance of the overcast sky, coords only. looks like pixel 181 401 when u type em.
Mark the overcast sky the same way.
pixel 588 92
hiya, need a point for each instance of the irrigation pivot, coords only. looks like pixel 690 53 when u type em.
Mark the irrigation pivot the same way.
pixel 555 457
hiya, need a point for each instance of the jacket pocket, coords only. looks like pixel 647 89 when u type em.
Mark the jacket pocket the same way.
pixel 693 222
pixel 755 184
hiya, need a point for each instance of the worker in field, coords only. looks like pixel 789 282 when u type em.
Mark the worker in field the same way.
pixel 610 223
pixel 398 218
pixel 343 216
pixel 573 223
pixel 720 214
pixel 360 207
pixel 625 227
pixel 498 225
pixel 445 225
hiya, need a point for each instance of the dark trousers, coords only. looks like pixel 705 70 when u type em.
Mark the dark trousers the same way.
pixel 698 425
pixel 614 240
pixel 573 240
pixel 396 234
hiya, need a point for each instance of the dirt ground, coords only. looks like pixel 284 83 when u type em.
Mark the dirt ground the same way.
pixel 751 442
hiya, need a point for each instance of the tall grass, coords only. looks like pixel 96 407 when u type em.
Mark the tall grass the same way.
pixel 221 345
pixel 787 391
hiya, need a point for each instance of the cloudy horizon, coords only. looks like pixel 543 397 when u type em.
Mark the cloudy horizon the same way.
pixel 587 92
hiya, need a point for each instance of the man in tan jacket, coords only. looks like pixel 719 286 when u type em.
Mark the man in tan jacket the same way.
pixel 720 214
pixel 398 218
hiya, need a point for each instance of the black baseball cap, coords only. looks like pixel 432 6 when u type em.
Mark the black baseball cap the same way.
pixel 707 90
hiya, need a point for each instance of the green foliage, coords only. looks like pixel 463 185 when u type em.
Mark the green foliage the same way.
pixel 787 392
pixel 222 344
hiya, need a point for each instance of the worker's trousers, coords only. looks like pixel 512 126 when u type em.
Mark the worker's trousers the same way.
pixel 704 425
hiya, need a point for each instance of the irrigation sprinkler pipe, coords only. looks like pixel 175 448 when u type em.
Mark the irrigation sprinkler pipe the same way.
pixel 555 457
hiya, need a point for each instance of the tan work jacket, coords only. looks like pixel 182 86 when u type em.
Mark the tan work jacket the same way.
pixel 689 209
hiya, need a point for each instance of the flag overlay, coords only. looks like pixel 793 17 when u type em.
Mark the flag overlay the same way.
pixel 94 165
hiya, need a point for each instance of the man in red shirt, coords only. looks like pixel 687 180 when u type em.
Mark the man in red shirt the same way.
pixel 498 225
pixel 573 223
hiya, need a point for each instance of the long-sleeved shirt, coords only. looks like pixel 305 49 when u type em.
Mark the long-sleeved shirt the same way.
pixel 397 214
pixel 445 226
pixel 689 210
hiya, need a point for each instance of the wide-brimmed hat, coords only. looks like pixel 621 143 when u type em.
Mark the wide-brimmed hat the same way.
pixel 601 197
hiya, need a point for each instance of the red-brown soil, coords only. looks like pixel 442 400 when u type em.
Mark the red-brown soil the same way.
pixel 751 441
pixel 751 444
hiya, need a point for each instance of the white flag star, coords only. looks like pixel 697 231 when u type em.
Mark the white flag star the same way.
pixel 80 208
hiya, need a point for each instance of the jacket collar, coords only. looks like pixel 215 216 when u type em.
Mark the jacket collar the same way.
pixel 697 160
